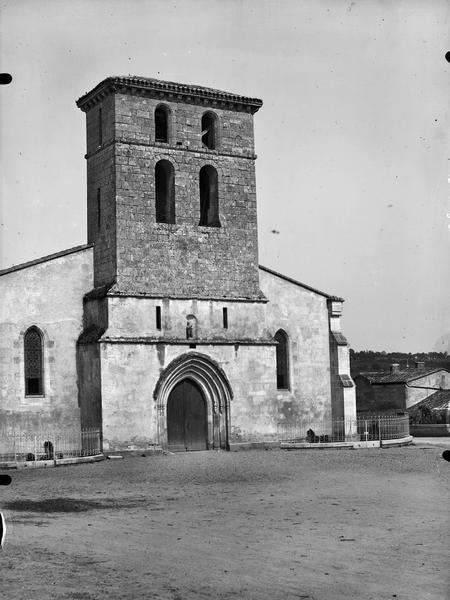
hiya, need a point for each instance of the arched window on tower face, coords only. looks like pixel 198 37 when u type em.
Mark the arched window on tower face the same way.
pixel 209 197
pixel 165 192
pixel 282 352
pixel 209 130
pixel 34 362
pixel 162 123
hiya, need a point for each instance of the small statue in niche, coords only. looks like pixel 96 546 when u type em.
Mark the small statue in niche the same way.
pixel 191 327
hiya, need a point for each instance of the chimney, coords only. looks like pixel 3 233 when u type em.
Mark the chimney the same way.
pixel 419 364
pixel 395 368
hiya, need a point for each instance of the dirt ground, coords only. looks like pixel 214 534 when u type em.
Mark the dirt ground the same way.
pixel 315 524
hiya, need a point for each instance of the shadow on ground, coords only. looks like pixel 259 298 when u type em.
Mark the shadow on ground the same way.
pixel 67 505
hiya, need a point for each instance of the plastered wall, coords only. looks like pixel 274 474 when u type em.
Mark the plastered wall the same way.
pixel 303 315
pixel 48 295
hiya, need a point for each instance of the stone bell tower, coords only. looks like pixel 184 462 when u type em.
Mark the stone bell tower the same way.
pixel 171 189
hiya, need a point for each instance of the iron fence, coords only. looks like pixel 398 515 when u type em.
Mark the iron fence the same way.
pixel 22 446
pixel 373 428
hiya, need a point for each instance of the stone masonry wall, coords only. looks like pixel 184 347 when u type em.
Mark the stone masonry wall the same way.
pixel 95 141
pixel 101 175
pixel 134 121
pixel 183 258
pixel 103 234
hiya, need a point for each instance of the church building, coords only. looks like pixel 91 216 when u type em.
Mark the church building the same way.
pixel 163 330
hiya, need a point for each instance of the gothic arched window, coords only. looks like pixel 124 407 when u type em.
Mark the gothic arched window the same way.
pixel 34 362
pixel 209 197
pixel 209 131
pixel 165 192
pixel 162 117
pixel 282 352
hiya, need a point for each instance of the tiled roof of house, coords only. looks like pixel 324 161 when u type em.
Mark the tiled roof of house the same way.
pixel 440 400
pixel 403 376
pixel 181 91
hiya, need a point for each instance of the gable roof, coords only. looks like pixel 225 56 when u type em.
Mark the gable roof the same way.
pixel 404 376
pixel 299 284
pixel 43 259
pixel 440 400
pixel 181 91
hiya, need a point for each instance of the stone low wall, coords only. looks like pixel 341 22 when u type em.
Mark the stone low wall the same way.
pixel 430 430
pixel 42 464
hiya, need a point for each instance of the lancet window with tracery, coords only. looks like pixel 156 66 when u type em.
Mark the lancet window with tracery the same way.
pixel 34 365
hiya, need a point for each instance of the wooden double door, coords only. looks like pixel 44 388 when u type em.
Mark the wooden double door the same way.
pixel 186 418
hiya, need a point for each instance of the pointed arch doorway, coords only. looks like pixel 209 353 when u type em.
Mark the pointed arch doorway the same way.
pixel 193 397
pixel 186 418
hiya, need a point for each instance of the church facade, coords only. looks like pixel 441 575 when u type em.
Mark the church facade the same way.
pixel 163 330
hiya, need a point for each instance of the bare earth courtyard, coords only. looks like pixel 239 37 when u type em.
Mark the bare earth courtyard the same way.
pixel 318 525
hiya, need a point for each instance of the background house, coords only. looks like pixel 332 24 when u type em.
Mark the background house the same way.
pixel 397 390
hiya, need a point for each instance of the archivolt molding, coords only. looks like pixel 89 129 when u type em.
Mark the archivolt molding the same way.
pixel 202 370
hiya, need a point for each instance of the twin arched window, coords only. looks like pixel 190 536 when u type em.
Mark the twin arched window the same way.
pixel 165 172
pixel 34 362
pixel 165 194
pixel 282 352
pixel 209 127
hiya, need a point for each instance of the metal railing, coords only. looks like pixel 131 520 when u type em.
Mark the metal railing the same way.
pixel 373 428
pixel 24 446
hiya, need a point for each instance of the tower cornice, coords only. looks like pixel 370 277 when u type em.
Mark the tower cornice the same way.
pixel 170 91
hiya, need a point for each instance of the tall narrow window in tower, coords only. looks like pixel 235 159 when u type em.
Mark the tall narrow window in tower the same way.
pixel 165 192
pixel 209 197
pixel 33 359
pixel 209 130
pixel 282 352
pixel 99 208
pixel 100 127
pixel 162 123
